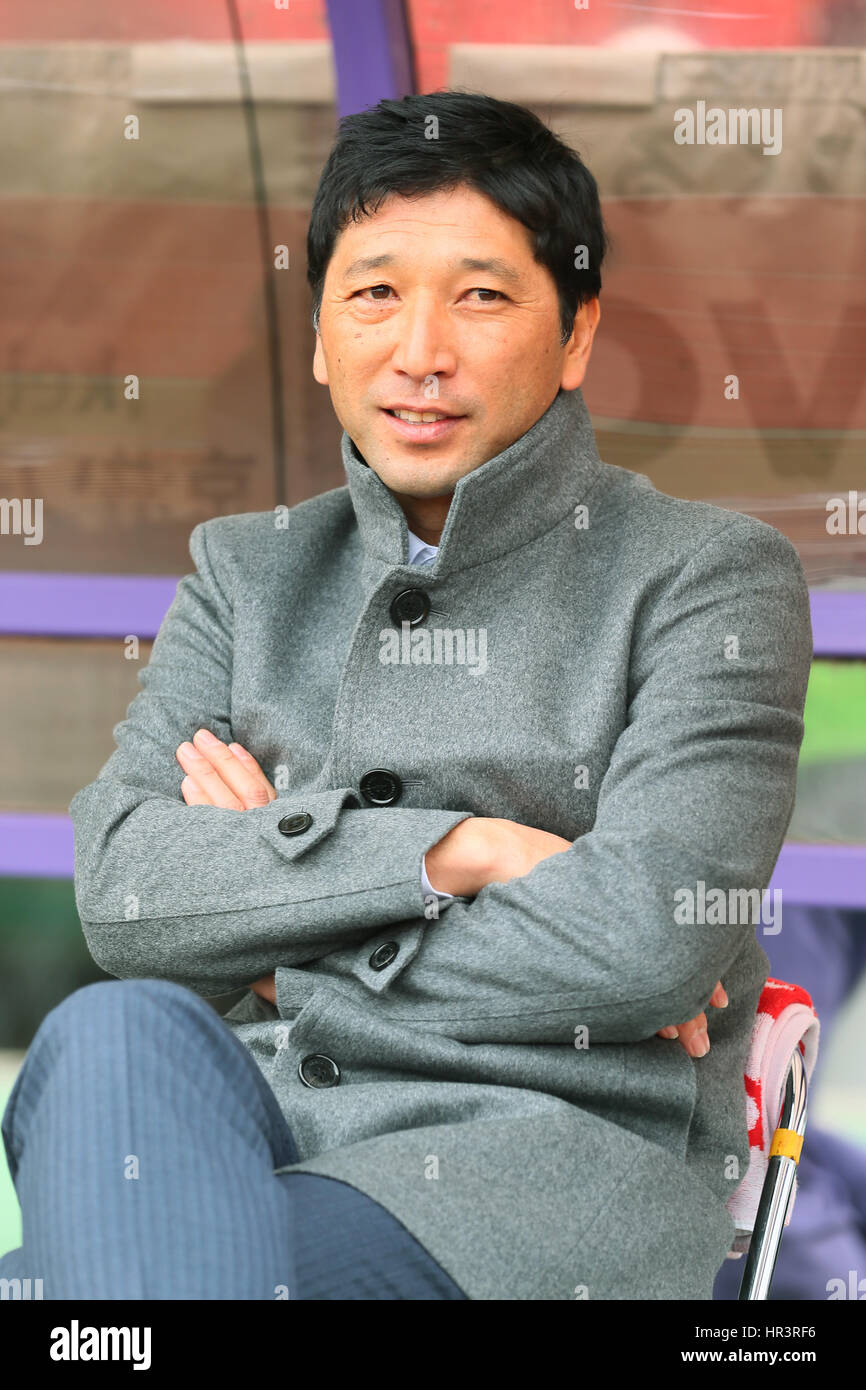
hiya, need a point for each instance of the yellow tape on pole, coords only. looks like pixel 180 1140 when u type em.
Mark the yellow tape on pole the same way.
pixel 787 1143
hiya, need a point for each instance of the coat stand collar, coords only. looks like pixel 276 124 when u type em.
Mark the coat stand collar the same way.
pixel 505 502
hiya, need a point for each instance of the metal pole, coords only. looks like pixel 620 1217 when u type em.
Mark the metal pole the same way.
pixel 776 1192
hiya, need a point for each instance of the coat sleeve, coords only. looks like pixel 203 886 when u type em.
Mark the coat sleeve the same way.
pixel 210 898
pixel 699 788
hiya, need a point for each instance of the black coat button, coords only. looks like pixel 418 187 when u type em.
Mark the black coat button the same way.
pixel 384 954
pixel 410 606
pixel 295 825
pixel 318 1070
pixel 380 786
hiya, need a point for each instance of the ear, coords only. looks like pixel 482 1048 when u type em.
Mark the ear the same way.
pixel 579 345
pixel 320 369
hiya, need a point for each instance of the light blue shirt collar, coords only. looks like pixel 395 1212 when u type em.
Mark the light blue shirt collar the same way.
pixel 420 553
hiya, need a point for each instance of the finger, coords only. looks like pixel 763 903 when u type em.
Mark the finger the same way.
pixel 694 1036
pixel 669 1032
pixel 193 794
pixel 719 998
pixel 236 775
pixel 207 779
pixel 266 988
pixel 248 761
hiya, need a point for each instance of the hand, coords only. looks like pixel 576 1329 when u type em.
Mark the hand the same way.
pixel 485 849
pixel 229 777
pixel 482 850
pixel 693 1035
pixel 222 776
pixel 266 987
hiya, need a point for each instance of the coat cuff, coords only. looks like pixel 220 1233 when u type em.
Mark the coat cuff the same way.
pixel 427 887
pixel 384 956
pixel 297 821
pixel 366 862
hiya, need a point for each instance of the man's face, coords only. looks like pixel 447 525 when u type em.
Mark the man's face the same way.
pixel 437 304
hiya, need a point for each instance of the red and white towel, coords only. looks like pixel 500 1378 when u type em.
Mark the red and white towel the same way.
pixel 785 1020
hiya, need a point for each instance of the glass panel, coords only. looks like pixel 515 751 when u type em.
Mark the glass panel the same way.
pixel 728 362
pixel 144 202
pixel 62 699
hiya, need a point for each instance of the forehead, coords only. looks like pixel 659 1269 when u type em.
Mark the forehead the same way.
pixel 433 224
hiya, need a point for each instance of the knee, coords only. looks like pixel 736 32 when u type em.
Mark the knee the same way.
pixel 105 1002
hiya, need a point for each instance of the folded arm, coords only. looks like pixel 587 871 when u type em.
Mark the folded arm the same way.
pixel 699 789
pixel 197 893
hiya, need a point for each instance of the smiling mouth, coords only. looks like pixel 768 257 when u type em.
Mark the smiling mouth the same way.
pixel 417 417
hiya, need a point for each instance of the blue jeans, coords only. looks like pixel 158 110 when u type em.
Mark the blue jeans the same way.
pixel 142 1140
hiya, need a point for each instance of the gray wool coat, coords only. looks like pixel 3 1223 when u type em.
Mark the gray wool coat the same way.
pixel 501 1089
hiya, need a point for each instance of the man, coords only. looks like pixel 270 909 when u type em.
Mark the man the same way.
pixel 431 772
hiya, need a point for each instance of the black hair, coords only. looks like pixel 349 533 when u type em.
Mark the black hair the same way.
pixel 440 140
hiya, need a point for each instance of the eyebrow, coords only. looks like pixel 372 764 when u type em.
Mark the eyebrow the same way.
pixel 492 265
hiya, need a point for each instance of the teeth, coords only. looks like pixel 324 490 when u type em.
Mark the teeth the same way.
pixel 417 418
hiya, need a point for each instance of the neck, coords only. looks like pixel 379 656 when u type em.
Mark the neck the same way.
pixel 511 499
pixel 425 516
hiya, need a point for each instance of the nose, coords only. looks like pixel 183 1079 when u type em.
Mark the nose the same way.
pixel 424 342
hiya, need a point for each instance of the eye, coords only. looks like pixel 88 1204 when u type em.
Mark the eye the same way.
pixel 481 290
pixel 371 288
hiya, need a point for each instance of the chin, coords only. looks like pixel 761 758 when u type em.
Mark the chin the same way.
pixel 410 485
